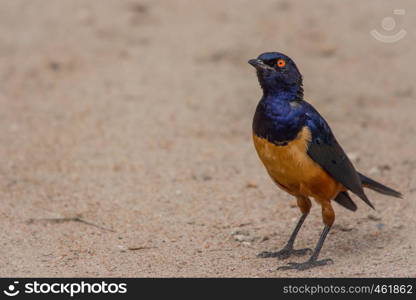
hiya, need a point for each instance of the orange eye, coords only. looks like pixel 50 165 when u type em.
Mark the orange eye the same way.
pixel 281 63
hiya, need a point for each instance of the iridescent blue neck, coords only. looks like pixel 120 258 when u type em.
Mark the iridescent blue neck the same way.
pixel 272 87
pixel 278 120
pixel 283 92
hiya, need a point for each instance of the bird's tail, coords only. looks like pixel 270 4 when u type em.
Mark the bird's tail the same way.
pixel 345 200
pixel 378 187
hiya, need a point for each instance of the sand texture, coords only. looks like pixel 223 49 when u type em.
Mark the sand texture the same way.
pixel 126 143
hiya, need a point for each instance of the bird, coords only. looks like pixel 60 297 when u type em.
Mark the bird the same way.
pixel 301 154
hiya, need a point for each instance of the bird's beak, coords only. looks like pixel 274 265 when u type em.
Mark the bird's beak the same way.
pixel 258 64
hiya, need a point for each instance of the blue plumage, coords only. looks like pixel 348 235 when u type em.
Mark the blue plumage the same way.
pixel 320 168
pixel 282 112
pixel 280 120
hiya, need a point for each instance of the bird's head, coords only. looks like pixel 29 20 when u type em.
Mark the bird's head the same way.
pixel 278 75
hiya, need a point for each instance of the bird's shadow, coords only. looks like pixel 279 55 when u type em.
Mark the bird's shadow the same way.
pixel 358 240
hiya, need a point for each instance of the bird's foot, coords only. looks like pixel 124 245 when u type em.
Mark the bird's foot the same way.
pixel 286 252
pixel 311 263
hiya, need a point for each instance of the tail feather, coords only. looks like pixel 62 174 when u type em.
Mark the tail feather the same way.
pixel 344 199
pixel 378 187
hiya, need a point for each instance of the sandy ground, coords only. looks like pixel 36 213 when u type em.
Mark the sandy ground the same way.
pixel 135 116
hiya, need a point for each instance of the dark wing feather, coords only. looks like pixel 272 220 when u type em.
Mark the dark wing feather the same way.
pixel 333 160
pixel 326 152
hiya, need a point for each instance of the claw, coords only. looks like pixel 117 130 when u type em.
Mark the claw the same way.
pixel 301 252
pixel 285 253
pixel 306 265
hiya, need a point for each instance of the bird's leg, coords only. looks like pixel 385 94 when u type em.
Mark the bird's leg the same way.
pixel 328 216
pixel 288 250
pixel 313 260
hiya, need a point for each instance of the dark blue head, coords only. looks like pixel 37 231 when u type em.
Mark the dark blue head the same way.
pixel 278 76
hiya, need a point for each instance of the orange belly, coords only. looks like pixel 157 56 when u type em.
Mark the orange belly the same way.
pixel 294 171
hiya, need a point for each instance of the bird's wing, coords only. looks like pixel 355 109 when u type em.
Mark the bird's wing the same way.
pixel 326 152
